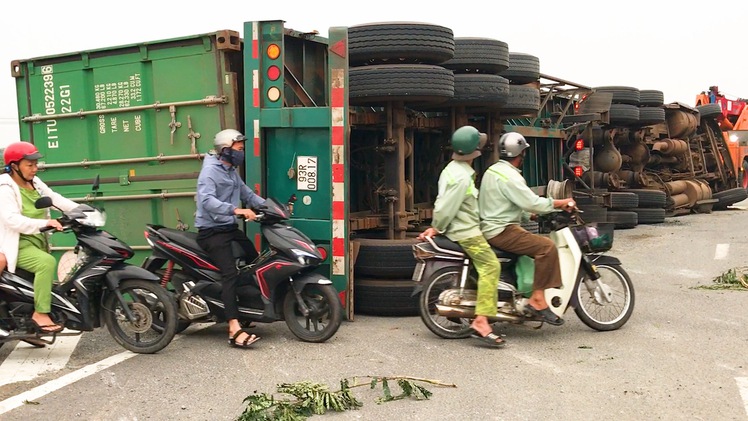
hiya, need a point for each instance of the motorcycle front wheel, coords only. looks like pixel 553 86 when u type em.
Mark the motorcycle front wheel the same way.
pixel 324 317
pixel 155 316
pixel 605 304
pixel 445 327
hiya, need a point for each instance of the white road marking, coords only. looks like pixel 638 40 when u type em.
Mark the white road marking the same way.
pixel 70 378
pixel 743 389
pixel 53 385
pixel 26 362
pixel 721 251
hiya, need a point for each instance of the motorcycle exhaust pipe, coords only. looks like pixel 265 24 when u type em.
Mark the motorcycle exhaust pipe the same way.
pixel 469 313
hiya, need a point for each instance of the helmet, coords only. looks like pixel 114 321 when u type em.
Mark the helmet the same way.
pixel 466 143
pixel 512 144
pixel 226 138
pixel 20 150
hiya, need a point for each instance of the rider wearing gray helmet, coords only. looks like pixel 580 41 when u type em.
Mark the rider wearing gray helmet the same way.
pixel 505 202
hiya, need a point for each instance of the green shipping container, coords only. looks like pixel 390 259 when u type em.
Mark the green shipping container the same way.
pixel 140 116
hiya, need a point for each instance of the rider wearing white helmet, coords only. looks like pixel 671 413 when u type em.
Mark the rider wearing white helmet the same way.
pixel 505 201
pixel 222 196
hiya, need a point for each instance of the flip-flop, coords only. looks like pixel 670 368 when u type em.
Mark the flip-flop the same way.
pixel 246 343
pixel 493 340
pixel 546 315
pixel 46 328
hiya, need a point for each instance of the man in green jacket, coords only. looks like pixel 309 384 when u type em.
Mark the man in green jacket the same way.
pixel 456 216
pixel 505 201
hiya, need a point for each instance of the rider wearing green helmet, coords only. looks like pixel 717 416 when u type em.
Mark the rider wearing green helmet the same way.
pixel 456 216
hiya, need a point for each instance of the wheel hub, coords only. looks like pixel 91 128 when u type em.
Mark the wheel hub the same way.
pixel 143 318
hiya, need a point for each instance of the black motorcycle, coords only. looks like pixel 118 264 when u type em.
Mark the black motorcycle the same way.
pixel 100 288
pixel 280 284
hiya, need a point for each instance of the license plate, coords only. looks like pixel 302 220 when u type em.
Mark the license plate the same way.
pixel 418 272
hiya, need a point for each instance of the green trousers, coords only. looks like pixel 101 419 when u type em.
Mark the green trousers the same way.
pixel 43 265
pixel 488 268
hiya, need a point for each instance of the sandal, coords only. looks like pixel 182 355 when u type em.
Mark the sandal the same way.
pixel 546 315
pixel 53 328
pixel 249 340
pixel 493 340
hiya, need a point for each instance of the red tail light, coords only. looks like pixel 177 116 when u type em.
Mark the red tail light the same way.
pixel 579 144
pixel 578 171
pixel 323 252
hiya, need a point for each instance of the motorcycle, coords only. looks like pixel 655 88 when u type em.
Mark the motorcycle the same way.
pixel 279 285
pixel 101 288
pixel 593 283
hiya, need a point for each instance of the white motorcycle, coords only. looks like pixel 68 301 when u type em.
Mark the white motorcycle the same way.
pixel 593 283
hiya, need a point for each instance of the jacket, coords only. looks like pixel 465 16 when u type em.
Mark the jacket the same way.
pixel 456 206
pixel 505 199
pixel 12 221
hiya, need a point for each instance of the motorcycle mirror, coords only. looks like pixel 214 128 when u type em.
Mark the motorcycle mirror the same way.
pixel 43 202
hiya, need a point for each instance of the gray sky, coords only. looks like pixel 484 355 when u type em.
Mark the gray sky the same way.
pixel 679 48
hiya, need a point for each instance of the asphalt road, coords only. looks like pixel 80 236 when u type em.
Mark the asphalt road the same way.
pixel 682 355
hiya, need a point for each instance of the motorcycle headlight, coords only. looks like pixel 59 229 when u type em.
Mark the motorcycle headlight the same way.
pixel 303 256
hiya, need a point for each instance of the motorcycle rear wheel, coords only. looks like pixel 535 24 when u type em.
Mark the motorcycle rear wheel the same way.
pixel 325 313
pixel 445 327
pixel 594 310
pixel 155 313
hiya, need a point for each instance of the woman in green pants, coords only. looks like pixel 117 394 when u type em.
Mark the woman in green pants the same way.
pixel 23 245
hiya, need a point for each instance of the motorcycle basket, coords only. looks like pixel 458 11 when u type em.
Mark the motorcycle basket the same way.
pixel 594 237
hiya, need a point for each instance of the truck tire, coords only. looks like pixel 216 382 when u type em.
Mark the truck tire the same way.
pixel 729 197
pixel 649 198
pixel 399 43
pixel 415 83
pixel 622 94
pixel 480 90
pixel 383 258
pixel 384 297
pixel 651 98
pixel 624 115
pixel 479 55
pixel 523 68
pixel 649 116
pixel 709 110
pixel 623 219
pixel 531 226
pixel 649 215
pixel 623 200
pixel 522 100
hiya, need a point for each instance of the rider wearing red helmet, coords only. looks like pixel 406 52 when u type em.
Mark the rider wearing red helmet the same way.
pixel 20 221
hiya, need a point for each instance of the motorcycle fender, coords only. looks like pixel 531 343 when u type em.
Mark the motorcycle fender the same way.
pixel 606 260
pixel 309 278
pixel 431 268
pixel 153 263
pixel 120 273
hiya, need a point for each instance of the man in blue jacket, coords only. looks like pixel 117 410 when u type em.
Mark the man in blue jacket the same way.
pixel 220 194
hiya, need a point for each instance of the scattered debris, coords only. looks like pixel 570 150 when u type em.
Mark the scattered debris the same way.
pixel 315 399
pixel 735 279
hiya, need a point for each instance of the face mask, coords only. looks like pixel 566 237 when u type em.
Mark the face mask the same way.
pixel 232 156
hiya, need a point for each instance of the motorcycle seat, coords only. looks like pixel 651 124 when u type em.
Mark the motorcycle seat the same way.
pixel 185 238
pixel 448 244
